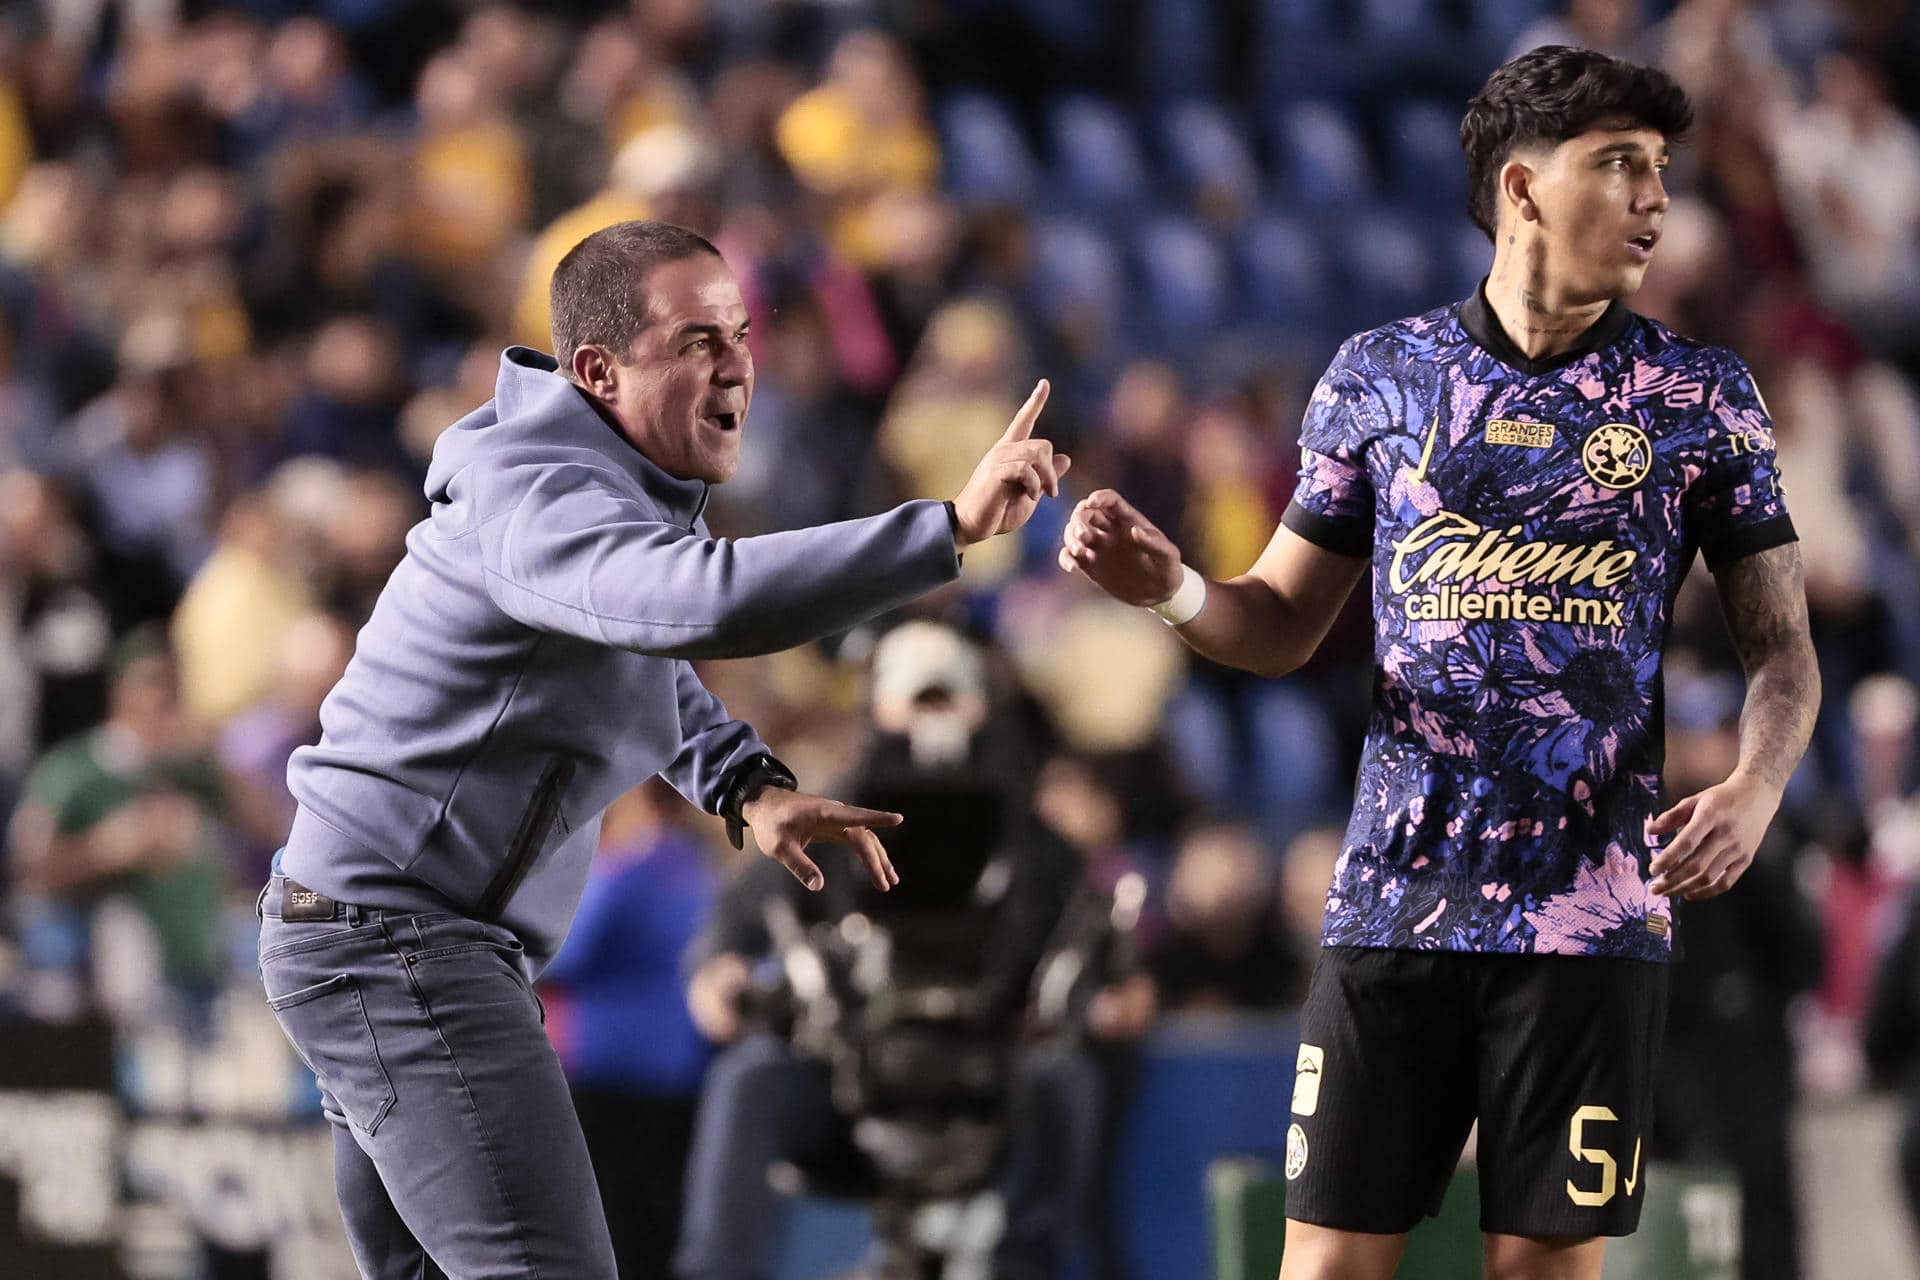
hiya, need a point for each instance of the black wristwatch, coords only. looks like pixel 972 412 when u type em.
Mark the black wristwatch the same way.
pixel 746 783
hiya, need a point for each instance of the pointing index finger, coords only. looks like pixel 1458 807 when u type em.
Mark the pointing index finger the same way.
pixel 854 816
pixel 1022 425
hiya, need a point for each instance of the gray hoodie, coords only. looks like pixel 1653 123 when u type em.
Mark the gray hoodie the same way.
pixel 528 660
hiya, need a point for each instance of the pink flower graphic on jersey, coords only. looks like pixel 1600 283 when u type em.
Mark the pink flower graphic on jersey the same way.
pixel 1604 899
pixel 1432 725
pixel 1677 388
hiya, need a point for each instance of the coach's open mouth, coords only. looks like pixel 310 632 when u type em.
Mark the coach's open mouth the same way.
pixel 722 421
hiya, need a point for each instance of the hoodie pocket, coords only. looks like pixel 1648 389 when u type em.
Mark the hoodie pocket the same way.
pixel 529 837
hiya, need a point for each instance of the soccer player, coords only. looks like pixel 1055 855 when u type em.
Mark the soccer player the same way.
pixel 1528 475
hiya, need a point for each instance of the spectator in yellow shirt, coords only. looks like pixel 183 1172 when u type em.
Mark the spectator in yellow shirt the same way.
pixel 662 172
pixel 861 134
pixel 471 185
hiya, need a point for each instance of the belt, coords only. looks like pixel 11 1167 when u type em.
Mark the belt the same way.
pixel 287 899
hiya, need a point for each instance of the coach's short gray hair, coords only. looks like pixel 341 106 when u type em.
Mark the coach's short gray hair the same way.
pixel 597 296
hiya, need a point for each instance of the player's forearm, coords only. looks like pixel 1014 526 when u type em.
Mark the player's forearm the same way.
pixel 1776 723
pixel 1249 625
pixel 1765 601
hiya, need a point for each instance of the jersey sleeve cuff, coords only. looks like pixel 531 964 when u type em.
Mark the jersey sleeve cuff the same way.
pixel 1347 537
pixel 1740 543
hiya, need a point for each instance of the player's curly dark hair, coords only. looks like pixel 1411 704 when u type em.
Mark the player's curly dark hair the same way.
pixel 1554 93
pixel 597 295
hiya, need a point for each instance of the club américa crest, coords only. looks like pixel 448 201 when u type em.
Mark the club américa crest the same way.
pixel 1617 455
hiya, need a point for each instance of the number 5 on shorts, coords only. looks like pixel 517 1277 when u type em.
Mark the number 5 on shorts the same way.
pixel 1609 1169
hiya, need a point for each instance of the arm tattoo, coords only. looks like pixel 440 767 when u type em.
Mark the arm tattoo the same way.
pixel 1764 598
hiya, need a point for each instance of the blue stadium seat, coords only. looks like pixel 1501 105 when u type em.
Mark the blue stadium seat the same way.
pixel 1469 256
pixel 1178 47
pixel 1071 26
pixel 1390 267
pixel 1205 150
pixel 1186 278
pixel 987 158
pixel 1404 21
pixel 1323 162
pixel 1283 271
pixel 1076 270
pixel 1306 49
pixel 1499 22
pixel 1096 155
pixel 1283 19
pixel 1423 155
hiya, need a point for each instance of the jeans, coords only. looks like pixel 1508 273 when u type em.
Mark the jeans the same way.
pixel 456 1150
pixel 764 1104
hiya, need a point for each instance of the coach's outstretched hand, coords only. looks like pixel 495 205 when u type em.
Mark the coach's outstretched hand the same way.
pixel 784 823
pixel 1010 481
pixel 1120 550
pixel 1719 829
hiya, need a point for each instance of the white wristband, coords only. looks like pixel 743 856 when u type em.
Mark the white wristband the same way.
pixel 1185 604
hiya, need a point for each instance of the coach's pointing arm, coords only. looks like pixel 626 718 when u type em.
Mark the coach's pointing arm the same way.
pixel 577 555
pixel 1268 620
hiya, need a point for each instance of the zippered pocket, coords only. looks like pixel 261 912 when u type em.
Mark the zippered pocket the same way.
pixel 536 823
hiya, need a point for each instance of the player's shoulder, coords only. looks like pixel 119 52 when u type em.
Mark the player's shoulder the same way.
pixel 1664 345
pixel 1410 337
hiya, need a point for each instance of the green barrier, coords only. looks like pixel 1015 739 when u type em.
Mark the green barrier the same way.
pixel 1689 1227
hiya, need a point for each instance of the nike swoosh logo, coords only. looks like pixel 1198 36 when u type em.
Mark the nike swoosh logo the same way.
pixel 1426 454
pixel 1634 1181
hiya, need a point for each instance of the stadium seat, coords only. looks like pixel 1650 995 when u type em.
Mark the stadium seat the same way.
pixel 1404 21
pixel 1178 45
pixel 1206 152
pixel 1185 274
pixel 1428 170
pixel 1286 19
pixel 1499 22
pixel 1322 159
pixel 987 157
pixel 1469 254
pixel 1390 269
pixel 1076 269
pixel 1283 271
pixel 1096 156
pixel 1070 26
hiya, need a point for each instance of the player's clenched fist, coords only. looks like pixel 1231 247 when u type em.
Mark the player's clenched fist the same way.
pixel 1011 479
pixel 1120 550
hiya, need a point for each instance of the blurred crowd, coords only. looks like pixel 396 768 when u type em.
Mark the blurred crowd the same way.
pixel 255 256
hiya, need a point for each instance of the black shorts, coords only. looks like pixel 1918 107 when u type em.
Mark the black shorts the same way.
pixel 1400 1051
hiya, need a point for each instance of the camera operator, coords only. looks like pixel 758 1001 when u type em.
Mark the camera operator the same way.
pixel 766 1103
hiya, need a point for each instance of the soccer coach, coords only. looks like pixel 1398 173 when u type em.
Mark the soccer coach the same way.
pixel 528 662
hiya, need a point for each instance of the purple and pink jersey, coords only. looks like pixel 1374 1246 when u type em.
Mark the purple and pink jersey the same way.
pixel 1529 524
